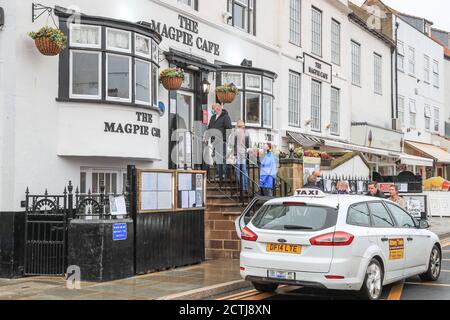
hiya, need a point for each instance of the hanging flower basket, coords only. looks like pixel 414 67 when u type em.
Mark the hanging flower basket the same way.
pixel 226 97
pixel 172 78
pixel 227 93
pixel 49 41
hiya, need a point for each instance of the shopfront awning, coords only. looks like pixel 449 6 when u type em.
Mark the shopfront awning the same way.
pixel 354 147
pixel 411 160
pixel 436 153
pixel 305 140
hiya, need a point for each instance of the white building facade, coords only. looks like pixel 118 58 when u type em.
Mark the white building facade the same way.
pixel 98 107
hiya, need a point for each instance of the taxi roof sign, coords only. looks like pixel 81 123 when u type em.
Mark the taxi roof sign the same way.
pixel 312 193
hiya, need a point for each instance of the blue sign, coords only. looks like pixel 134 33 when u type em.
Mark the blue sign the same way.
pixel 162 108
pixel 119 231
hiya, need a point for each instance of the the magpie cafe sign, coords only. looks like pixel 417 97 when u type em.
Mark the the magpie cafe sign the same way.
pixel 141 127
pixel 317 68
pixel 187 33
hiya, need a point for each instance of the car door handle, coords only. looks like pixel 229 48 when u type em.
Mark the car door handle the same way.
pixel 410 239
pixel 384 239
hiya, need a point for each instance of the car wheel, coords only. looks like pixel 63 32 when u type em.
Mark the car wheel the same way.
pixel 373 281
pixel 265 287
pixel 434 266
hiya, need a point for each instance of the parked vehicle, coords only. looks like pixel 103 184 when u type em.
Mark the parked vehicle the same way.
pixel 339 242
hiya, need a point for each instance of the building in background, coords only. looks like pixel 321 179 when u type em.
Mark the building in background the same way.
pixel 419 85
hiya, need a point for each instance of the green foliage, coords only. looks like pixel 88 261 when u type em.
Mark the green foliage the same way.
pixel 172 73
pixel 55 35
pixel 228 87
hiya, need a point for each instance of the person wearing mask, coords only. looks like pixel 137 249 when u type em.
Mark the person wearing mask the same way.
pixel 311 183
pixel 319 182
pixel 393 190
pixel 220 122
pixel 241 139
pixel 268 172
pixel 342 187
pixel 374 191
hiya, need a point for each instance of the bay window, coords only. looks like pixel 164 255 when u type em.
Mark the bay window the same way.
pixel 122 68
pixel 254 102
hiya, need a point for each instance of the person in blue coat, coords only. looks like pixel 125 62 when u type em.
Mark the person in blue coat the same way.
pixel 268 172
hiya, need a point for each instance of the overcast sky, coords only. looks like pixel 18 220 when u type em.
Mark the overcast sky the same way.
pixel 437 11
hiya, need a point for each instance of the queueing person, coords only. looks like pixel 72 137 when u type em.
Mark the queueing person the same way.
pixel 268 172
pixel 241 139
pixel 220 121
pixel 374 191
pixel 393 190
pixel 312 183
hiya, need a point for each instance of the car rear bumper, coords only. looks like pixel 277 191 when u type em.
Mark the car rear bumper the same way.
pixel 352 280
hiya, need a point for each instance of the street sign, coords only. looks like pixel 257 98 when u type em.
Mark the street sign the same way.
pixel 119 231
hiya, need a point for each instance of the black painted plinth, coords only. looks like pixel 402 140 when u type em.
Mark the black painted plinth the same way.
pixel 100 258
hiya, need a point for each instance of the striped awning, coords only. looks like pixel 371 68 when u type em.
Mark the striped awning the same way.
pixel 305 140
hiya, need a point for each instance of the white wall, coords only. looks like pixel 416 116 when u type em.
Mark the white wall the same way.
pixel 366 105
pixel 427 93
pixel 7 111
pixel 355 167
pixel 447 89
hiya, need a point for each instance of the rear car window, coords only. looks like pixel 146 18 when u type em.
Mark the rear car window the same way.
pixel 359 215
pixel 295 218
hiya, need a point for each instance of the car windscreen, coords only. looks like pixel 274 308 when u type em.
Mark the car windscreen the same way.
pixel 295 217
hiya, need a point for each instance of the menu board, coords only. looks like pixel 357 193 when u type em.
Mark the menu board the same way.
pixel 156 191
pixel 191 190
pixel 416 204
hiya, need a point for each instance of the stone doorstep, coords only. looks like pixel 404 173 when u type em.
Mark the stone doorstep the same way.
pixel 202 293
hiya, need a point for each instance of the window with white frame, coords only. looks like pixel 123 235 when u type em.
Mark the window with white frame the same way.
pixel 253 108
pixel 412 114
pixel 128 75
pixel 294 99
pixel 93 179
pixel 356 63
pixel 426 69
pixel 316 27
pixel 400 56
pixel 401 109
pixel 335 42
pixel 436 119
pixel 267 111
pixel 427 114
pixel 254 102
pixel 412 61
pixel 335 102
pixel 295 22
pixel 243 14
pixel 316 105
pixel 189 3
pixel 436 73
pixel 378 66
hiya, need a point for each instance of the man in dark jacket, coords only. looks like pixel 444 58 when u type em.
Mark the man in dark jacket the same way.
pixel 221 121
pixel 374 191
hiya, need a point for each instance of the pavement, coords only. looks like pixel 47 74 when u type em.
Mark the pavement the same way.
pixel 208 280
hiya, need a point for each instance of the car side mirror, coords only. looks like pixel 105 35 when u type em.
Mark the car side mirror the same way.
pixel 423 224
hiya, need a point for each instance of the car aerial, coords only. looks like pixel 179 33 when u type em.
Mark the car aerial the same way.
pixel 337 242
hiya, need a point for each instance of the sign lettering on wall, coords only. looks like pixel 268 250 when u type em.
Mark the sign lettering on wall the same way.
pixel 317 68
pixel 186 33
pixel 136 129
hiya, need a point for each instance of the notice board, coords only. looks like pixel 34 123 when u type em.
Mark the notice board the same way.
pixel 191 190
pixel 156 190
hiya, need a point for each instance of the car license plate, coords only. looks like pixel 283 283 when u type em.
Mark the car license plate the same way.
pixel 284 248
pixel 282 275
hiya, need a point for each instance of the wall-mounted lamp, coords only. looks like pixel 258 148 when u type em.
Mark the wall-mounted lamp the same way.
pixel 308 122
pixel 2 18
pixel 206 86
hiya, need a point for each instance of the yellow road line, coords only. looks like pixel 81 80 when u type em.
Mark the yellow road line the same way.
pixel 243 293
pixel 429 284
pixel 261 296
pixel 396 291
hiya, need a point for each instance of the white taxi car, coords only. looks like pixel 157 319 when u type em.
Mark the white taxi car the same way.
pixel 339 242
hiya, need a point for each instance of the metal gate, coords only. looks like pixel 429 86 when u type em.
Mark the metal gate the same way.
pixel 45 234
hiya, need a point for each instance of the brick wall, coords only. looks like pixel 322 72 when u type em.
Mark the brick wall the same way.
pixel 221 240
